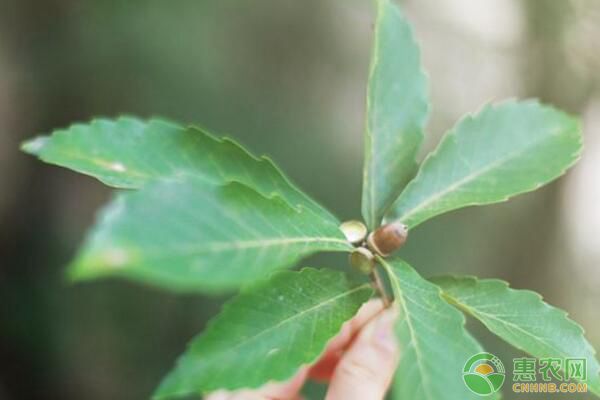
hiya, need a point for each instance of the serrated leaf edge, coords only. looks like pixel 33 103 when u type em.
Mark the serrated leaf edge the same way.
pixel 533 296
pixel 373 218
pixel 76 272
pixel 470 116
pixel 35 146
pixel 414 337
pixel 278 275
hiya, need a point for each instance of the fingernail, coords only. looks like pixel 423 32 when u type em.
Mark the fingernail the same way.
pixel 384 331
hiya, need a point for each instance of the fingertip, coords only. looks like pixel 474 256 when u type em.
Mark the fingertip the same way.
pixel 367 368
pixel 219 395
pixel 368 310
pixel 324 368
pixel 288 389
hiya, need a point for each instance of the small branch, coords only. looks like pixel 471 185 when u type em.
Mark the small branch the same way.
pixel 379 287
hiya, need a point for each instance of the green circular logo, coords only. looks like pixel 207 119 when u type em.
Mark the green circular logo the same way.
pixel 484 374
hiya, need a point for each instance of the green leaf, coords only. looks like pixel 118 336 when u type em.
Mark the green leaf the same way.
pixel 267 332
pixel 129 153
pixel 506 149
pixel 192 235
pixel 435 345
pixel 397 107
pixel 522 319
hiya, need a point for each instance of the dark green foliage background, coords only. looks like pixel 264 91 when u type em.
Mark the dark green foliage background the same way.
pixel 287 79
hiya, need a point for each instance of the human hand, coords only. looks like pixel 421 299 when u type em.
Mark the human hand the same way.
pixel 358 363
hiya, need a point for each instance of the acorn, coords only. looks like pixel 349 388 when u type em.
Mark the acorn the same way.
pixel 388 238
pixel 355 231
pixel 362 260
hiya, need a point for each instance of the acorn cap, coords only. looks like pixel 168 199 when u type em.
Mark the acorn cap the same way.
pixel 362 260
pixel 388 238
pixel 355 231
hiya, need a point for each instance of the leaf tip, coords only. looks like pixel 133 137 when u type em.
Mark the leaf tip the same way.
pixel 92 265
pixel 165 389
pixel 176 385
pixel 79 271
pixel 34 146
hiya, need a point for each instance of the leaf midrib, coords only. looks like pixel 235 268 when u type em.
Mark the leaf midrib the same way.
pixel 474 311
pixel 480 315
pixel 250 244
pixel 99 162
pixel 298 315
pixel 413 334
pixel 133 173
pixel 371 176
pixel 470 177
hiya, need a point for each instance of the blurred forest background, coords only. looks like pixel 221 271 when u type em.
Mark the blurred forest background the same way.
pixel 286 78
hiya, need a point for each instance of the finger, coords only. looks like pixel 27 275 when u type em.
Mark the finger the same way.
pixel 365 371
pixel 219 395
pixel 287 390
pixel 323 369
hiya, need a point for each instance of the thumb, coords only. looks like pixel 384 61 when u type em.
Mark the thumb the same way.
pixel 366 370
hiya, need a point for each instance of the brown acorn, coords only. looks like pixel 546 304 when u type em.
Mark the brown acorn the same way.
pixel 388 238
